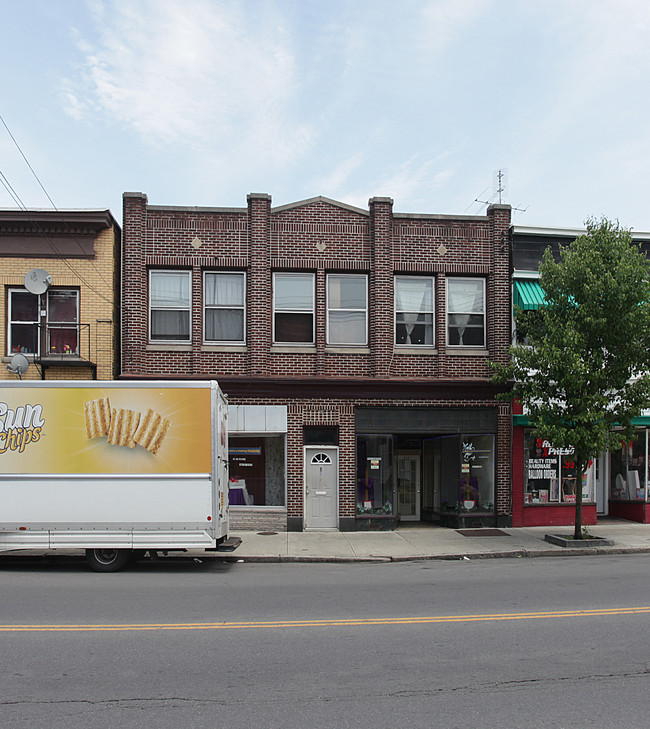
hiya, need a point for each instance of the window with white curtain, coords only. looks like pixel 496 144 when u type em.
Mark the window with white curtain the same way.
pixel 466 312
pixel 169 306
pixel 347 309
pixel 224 298
pixel 414 311
pixel 293 308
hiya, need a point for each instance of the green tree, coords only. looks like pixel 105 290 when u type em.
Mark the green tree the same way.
pixel 582 372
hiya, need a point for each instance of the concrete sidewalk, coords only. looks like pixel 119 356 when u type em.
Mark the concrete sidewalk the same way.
pixel 408 542
pixel 431 542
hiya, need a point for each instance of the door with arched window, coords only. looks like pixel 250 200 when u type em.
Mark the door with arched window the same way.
pixel 321 482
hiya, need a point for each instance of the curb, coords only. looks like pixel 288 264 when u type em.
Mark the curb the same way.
pixel 7 557
pixel 512 554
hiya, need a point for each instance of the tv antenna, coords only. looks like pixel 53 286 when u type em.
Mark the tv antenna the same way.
pixel 18 365
pixel 500 183
pixel 499 190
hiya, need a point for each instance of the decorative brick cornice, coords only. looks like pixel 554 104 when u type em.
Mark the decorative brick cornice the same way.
pixel 349 388
pixel 55 222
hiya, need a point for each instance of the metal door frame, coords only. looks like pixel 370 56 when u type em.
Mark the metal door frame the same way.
pixel 417 455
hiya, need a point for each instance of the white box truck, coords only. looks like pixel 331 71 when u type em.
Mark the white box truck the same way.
pixel 115 468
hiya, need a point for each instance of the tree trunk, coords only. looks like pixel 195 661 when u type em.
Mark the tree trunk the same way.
pixel 581 467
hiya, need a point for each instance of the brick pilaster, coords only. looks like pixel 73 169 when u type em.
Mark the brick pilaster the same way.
pixel 499 290
pixel 381 285
pixel 259 296
pixel 499 285
pixel 135 306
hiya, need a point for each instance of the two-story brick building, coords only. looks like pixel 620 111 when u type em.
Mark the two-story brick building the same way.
pixel 544 477
pixel 353 346
pixel 60 273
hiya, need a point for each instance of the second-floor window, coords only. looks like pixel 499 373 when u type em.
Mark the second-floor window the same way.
pixel 466 312
pixel 414 311
pixel 293 308
pixel 347 309
pixel 56 332
pixel 169 306
pixel 224 300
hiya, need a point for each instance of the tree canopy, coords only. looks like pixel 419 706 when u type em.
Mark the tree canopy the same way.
pixel 583 369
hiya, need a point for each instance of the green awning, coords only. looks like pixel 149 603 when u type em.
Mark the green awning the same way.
pixel 522 420
pixel 527 295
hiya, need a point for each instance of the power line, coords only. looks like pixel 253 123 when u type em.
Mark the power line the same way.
pixel 13 139
pixel 12 193
pixel 17 199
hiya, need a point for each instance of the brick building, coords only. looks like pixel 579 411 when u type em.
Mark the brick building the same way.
pixel 544 477
pixel 66 326
pixel 353 346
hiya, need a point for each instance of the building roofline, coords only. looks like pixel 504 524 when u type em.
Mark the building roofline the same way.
pixel 95 217
pixel 320 198
pixel 309 201
pixel 565 232
pixel 194 209
pixel 440 216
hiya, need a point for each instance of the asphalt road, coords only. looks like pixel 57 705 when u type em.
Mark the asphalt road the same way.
pixel 492 643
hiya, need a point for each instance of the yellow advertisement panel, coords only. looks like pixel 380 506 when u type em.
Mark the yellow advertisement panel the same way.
pixel 105 430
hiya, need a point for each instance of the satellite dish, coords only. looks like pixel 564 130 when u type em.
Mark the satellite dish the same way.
pixel 18 365
pixel 37 281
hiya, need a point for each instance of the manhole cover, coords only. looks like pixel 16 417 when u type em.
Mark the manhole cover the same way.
pixel 266 534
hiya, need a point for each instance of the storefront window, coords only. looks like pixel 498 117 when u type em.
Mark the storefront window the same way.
pixel 629 470
pixel 374 474
pixel 466 466
pixel 550 473
pixel 257 471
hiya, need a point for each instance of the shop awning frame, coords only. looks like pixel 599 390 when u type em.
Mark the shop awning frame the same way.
pixel 527 295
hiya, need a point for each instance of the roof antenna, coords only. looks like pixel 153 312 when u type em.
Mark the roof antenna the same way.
pixel 499 190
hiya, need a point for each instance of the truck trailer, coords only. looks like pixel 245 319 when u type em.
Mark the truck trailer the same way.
pixel 113 468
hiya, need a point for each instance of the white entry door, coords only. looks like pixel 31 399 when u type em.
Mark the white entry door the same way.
pixel 321 481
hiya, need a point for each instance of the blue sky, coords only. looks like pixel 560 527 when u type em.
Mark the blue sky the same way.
pixel 198 102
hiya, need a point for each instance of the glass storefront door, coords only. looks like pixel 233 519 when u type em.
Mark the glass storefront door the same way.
pixel 629 469
pixel 408 486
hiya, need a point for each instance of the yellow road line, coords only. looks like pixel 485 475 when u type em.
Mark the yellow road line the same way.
pixel 327 623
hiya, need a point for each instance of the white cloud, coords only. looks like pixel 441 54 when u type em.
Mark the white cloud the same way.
pixel 332 183
pixel 580 132
pixel 443 21
pixel 196 73
pixel 412 184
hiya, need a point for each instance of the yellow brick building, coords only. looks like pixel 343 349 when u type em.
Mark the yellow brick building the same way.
pixel 59 272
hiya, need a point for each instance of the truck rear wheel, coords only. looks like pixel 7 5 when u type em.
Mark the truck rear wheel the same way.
pixel 107 560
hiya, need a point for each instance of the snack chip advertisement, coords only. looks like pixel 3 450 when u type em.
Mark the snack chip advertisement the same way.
pixel 105 430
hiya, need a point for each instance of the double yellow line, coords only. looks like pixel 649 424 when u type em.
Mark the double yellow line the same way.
pixel 326 623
